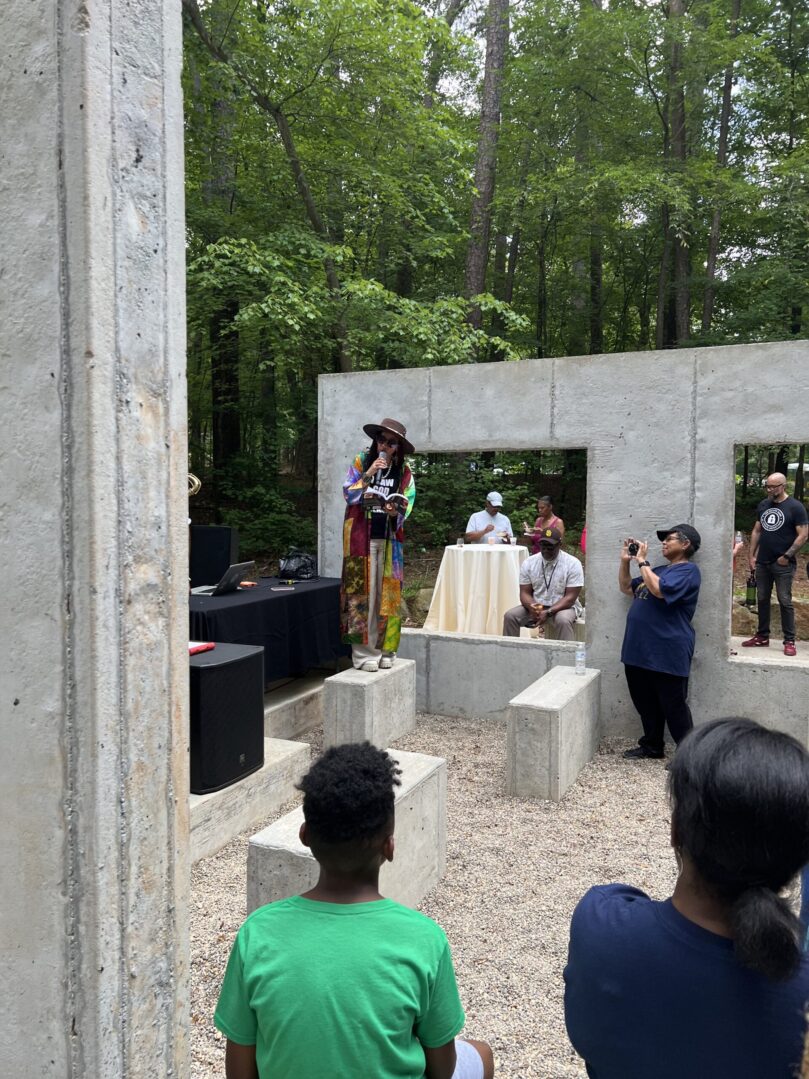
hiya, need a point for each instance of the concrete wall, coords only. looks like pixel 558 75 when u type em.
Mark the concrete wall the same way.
pixel 94 680
pixel 660 430
pixel 474 675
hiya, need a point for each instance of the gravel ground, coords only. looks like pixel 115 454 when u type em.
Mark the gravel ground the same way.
pixel 515 870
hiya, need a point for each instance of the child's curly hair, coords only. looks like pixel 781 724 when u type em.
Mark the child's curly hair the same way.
pixel 348 793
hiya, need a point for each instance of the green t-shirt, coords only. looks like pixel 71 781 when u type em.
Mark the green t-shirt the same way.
pixel 330 990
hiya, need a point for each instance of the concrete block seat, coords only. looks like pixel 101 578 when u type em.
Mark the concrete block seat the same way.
pixel 379 707
pixel 295 708
pixel 216 818
pixel 278 865
pixel 552 732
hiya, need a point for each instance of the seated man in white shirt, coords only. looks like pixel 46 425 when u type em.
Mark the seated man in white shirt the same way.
pixel 490 525
pixel 550 583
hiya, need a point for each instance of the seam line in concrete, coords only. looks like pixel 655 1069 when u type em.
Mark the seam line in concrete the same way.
pixel 72 857
pixel 429 406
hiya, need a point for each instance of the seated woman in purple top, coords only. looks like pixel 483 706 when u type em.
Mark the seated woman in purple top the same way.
pixel 712 982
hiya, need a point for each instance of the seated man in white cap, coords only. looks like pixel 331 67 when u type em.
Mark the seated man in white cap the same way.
pixel 490 525
pixel 550 583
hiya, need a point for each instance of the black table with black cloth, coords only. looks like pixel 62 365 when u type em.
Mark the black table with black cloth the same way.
pixel 298 629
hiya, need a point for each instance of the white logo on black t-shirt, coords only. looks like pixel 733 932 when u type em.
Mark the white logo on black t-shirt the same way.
pixel 772 519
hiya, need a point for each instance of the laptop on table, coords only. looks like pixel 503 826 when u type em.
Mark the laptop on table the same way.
pixel 229 581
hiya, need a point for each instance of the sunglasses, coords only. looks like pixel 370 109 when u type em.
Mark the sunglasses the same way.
pixel 384 440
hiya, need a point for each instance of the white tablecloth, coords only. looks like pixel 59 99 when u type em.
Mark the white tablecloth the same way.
pixel 476 585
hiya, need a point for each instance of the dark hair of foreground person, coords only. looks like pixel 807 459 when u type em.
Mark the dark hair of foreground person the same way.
pixel 740 811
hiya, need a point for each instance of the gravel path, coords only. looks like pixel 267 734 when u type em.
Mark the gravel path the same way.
pixel 515 870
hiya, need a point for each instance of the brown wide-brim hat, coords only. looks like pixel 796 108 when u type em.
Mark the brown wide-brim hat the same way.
pixel 392 427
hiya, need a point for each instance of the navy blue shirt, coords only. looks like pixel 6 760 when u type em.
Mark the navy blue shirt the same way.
pixel 651 995
pixel 659 635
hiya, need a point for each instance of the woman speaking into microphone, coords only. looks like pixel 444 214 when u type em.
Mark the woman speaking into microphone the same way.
pixel 379 491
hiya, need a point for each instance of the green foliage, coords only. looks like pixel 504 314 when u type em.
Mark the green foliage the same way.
pixel 450 487
pixel 585 175
pixel 267 519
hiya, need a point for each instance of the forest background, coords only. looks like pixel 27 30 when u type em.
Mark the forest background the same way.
pixel 380 184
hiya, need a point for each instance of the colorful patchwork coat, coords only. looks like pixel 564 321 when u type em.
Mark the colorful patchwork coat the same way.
pixel 356 564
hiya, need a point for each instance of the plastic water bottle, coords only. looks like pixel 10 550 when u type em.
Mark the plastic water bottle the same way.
pixel 739 538
pixel 581 658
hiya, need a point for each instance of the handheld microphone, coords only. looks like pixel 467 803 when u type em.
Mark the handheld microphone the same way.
pixel 383 456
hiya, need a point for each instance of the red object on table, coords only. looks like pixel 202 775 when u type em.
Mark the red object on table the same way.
pixel 199 646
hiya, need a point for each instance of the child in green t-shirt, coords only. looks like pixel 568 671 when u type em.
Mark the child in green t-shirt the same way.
pixel 340 983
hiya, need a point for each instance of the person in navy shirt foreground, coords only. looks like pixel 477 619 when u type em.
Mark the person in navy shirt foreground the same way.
pixel 659 638
pixel 712 983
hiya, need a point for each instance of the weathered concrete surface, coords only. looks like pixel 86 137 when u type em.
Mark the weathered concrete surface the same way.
pixel 552 733
pixel 477 675
pixel 279 865
pixel 217 817
pixel 293 710
pixel 378 707
pixel 94 770
pixel 660 430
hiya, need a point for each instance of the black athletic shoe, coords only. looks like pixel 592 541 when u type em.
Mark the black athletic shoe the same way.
pixel 642 753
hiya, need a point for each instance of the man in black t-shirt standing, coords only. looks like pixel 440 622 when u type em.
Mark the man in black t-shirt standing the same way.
pixel 778 535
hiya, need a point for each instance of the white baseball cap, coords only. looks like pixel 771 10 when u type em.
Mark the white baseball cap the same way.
pixel 494 498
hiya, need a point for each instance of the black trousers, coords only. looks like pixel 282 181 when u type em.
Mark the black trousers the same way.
pixel 660 699
pixel 767 574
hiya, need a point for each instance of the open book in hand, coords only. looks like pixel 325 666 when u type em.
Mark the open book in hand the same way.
pixel 395 499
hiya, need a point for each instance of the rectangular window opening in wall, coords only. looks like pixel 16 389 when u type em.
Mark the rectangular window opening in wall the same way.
pixel 478 517
pixel 770 553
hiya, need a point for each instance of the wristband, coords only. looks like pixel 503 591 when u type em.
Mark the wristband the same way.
pixel 642 564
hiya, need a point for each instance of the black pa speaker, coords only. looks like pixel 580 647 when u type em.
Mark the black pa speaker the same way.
pixel 227 715
pixel 213 548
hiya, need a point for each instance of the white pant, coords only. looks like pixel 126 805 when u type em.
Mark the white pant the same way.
pixel 469 1063
pixel 376 571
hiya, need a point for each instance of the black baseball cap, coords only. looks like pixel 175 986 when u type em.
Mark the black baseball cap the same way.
pixel 688 531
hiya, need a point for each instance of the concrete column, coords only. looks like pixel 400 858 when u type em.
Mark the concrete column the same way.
pixel 93 542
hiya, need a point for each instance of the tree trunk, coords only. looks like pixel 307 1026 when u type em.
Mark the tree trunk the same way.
pixel 679 151
pixel 498 289
pixel 746 469
pixel 663 326
pixel 596 322
pixel 477 252
pixel 721 160
pixel 435 61
pixel 799 484
pixel 542 301
pixel 577 336
pixel 225 385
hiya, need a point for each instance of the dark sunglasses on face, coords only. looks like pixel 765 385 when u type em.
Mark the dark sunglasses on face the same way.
pixel 383 440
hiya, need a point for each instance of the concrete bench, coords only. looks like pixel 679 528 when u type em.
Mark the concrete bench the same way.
pixel 216 818
pixel 294 709
pixel 278 865
pixel 552 733
pixel 378 707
